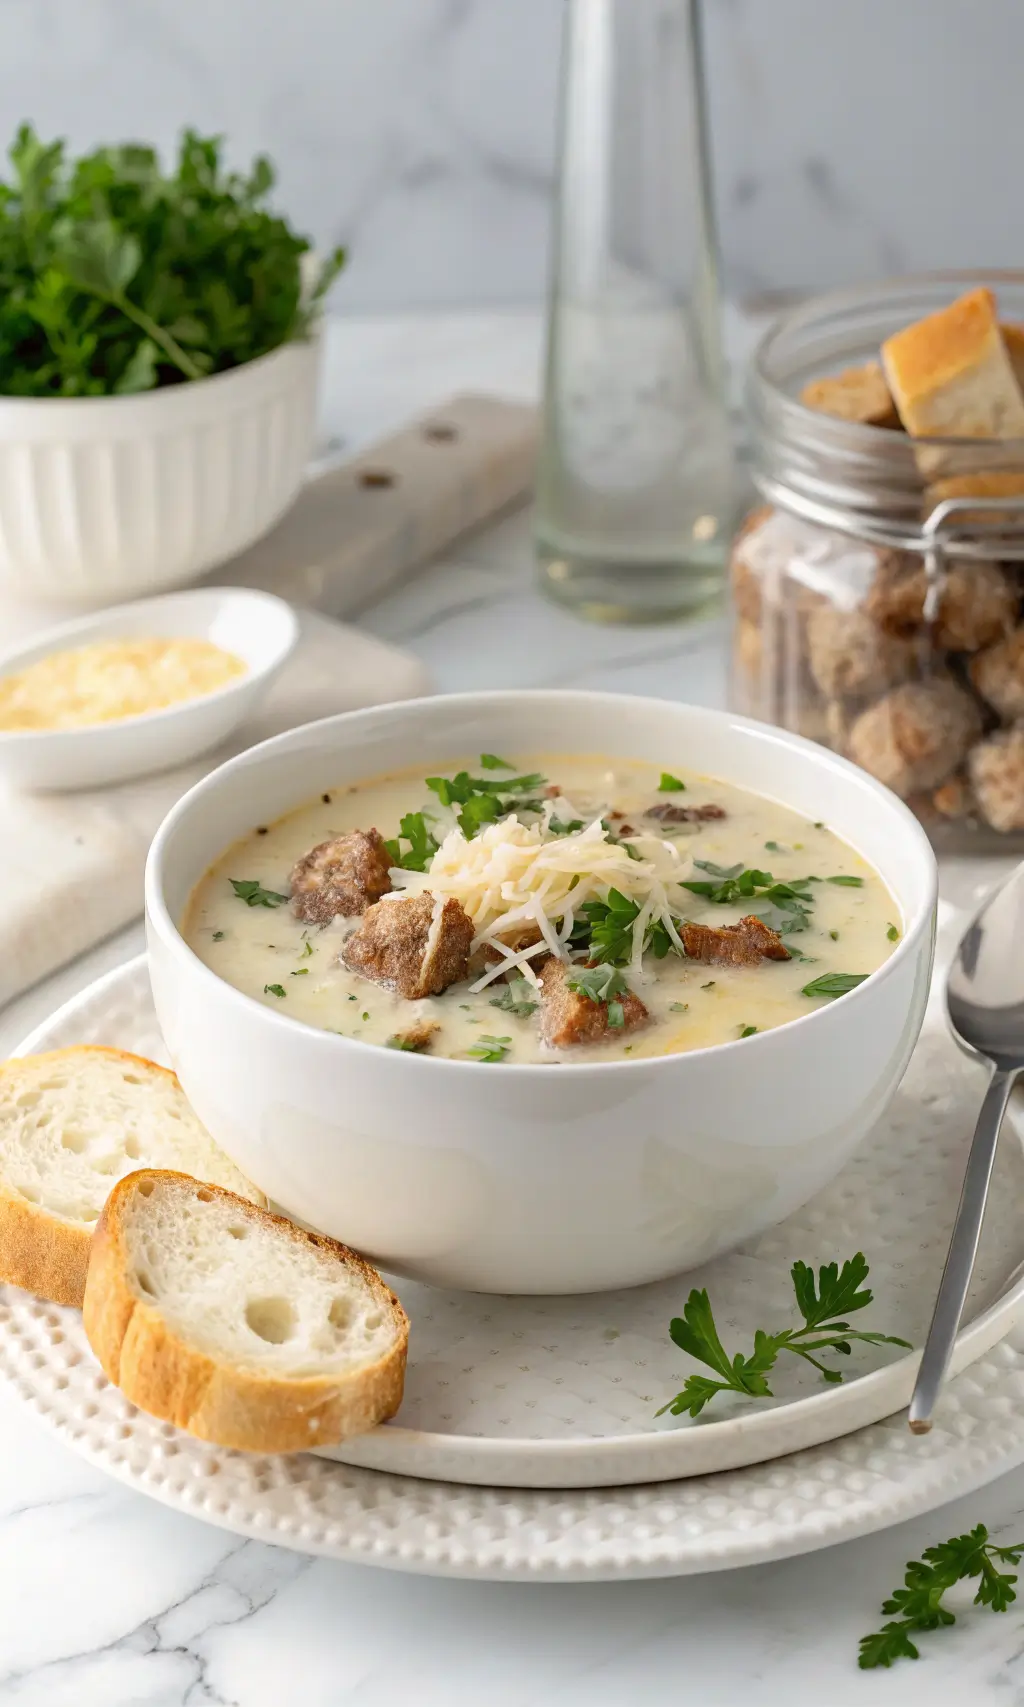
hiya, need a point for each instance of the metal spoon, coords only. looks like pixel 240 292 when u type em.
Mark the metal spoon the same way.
pixel 985 1004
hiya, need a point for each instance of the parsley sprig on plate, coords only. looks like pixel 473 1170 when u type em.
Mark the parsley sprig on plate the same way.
pixel 917 1606
pixel 824 1305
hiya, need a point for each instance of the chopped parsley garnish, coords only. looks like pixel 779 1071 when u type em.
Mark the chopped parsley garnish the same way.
pixel 679 1007
pixel 834 935
pixel 709 985
pixel 484 800
pixel 918 1604
pixel 773 847
pixel 491 762
pixel 785 907
pixel 608 930
pixel 893 934
pixel 307 948
pixel 834 984
pixel 422 845
pixel 847 882
pixel 599 983
pixel 365 1016
pixel 402 1040
pixel 489 1048
pixel 748 1030
pixel 218 936
pixel 253 893
pixel 670 784
pixel 274 990
pixel 303 972
pixel 559 827
pixel 480 809
pixel 824 1305
pixel 519 997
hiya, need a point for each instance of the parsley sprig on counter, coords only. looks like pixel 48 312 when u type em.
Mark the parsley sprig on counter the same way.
pixel 117 277
pixel 917 1606
pixel 824 1305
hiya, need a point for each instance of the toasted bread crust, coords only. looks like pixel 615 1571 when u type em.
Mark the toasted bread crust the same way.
pixel 41 1251
pixel 230 1406
pixel 858 394
pixel 951 374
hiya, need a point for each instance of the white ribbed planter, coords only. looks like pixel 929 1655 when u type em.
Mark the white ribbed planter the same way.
pixel 110 497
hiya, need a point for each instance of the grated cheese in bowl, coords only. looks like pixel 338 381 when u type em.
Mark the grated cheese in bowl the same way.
pixel 113 679
pixel 513 876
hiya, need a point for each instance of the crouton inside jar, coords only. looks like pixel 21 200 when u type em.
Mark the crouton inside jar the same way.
pixel 866 616
pixel 542 909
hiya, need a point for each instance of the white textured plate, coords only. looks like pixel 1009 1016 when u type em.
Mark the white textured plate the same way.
pixel 561 1392
pixel 813 1498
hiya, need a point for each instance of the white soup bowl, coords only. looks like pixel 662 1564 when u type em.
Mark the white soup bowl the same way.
pixel 523 1178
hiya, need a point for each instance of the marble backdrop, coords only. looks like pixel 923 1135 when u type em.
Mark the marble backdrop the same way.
pixel 849 139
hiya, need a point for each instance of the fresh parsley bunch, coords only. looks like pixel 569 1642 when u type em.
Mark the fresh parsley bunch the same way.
pixel 116 277
pixel 824 1304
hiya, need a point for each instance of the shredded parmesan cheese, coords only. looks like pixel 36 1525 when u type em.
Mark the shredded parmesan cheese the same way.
pixel 514 876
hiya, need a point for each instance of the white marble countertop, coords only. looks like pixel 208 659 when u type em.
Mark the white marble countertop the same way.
pixel 109 1600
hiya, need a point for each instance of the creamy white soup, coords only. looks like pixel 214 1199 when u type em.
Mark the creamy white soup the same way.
pixel 551 908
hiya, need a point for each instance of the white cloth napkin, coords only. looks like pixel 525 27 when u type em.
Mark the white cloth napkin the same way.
pixel 71 865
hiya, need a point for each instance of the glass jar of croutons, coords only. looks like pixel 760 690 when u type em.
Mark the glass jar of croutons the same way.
pixel 878 589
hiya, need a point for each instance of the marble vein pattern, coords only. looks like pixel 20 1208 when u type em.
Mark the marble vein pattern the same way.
pixel 422 132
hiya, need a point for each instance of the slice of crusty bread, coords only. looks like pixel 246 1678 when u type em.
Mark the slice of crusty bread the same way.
pixel 237 1325
pixel 857 394
pixel 71 1123
pixel 951 376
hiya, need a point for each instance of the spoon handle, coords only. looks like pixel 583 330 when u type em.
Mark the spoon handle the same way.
pixel 963 1248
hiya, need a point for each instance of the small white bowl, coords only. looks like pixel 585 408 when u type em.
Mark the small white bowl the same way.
pixel 258 628
pixel 525 1178
pixel 105 498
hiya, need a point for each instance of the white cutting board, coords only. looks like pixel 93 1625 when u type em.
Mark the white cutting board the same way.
pixel 71 865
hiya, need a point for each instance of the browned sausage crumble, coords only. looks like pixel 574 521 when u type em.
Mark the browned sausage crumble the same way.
pixel 568 1016
pixel 390 946
pixel 745 944
pixel 341 877
pixel 666 813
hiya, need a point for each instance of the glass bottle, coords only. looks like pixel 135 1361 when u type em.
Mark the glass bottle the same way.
pixel 635 485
